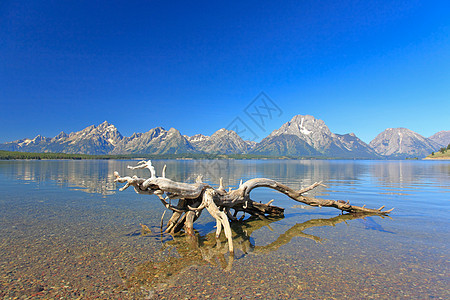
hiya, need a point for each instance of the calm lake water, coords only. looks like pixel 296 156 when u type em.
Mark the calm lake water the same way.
pixel 66 231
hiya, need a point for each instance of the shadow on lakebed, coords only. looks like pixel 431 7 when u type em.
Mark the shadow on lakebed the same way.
pixel 182 252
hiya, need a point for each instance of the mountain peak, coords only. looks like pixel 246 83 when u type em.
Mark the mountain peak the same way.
pixel 222 132
pixel 304 126
pixel 402 142
pixel 442 138
pixel 39 138
pixel 222 141
pixel 310 136
pixel 106 126
pixel 61 135
pixel 173 130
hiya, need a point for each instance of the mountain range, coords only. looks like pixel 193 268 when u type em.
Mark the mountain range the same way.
pixel 302 136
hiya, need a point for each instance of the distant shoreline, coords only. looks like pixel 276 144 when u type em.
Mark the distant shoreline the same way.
pixel 443 154
pixel 14 155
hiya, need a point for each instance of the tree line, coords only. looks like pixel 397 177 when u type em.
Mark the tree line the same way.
pixel 8 155
pixel 443 150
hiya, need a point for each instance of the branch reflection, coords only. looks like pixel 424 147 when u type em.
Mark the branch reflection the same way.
pixel 184 252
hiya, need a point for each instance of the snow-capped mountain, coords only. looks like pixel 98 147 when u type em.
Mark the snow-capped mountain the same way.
pixel 308 136
pixel 402 142
pixel 223 141
pixel 303 135
pixel 35 144
pixel 99 139
pixel 197 140
pixel 155 141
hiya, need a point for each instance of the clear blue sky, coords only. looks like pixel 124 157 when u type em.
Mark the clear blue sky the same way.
pixel 361 66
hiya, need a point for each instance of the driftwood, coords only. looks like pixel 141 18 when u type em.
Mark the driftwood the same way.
pixel 221 204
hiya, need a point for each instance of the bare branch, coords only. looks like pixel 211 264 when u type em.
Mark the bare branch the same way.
pixel 145 165
pixel 193 198
pixel 163 175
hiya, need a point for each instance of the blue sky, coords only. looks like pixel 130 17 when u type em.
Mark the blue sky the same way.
pixel 361 66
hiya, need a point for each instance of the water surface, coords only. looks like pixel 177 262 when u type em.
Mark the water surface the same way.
pixel 67 232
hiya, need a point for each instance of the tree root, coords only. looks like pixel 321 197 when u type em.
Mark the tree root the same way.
pixel 193 198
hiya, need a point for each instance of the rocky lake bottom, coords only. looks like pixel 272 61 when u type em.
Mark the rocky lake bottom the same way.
pixel 66 233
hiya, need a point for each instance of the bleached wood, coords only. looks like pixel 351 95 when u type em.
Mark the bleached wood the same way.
pixel 195 197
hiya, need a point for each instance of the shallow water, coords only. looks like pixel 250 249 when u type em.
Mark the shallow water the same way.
pixel 67 232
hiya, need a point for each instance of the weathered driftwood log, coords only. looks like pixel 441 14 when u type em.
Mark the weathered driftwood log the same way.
pixel 193 198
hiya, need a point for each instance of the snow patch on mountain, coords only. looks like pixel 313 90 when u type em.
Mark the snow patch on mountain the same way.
pixel 303 129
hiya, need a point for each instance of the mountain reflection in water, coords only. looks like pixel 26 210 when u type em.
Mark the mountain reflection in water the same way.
pixel 96 176
pixel 52 234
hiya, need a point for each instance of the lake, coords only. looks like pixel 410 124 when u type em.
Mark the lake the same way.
pixel 66 231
